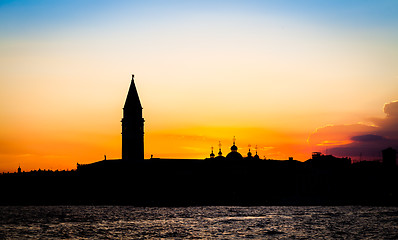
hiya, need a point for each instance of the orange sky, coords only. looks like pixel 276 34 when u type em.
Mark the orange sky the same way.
pixel 272 74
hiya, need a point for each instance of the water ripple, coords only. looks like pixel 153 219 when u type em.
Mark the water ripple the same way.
pixel 124 222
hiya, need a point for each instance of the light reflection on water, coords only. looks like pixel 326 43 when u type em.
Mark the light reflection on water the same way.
pixel 284 222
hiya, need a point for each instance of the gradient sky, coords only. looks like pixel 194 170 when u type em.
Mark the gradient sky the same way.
pixel 289 76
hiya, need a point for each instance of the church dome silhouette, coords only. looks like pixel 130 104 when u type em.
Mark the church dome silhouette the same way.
pixel 234 155
pixel 249 154
pixel 212 153
pixel 234 148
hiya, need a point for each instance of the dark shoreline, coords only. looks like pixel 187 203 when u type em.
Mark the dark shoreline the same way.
pixel 205 183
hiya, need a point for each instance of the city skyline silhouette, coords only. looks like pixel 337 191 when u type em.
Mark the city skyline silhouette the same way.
pixel 133 136
pixel 233 179
pixel 133 143
pixel 290 78
pixel 198 119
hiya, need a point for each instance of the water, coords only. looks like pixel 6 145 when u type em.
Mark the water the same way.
pixel 124 222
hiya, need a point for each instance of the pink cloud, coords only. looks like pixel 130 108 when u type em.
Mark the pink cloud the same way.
pixel 360 139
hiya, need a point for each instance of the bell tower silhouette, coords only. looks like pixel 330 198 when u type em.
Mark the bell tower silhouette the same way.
pixel 132 126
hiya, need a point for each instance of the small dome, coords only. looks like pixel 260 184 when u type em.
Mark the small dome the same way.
pixel 212 155
pixel 256 157
pixel 249 154
pixel 234 148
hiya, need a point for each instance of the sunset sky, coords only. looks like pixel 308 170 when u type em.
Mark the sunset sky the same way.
pixel 291 77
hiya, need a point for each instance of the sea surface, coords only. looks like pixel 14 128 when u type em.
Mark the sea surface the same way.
pixel 124 222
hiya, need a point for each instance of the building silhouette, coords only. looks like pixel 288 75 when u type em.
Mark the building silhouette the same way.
pixel 132 126
pixel 218 180
pixel 133 142
pixel 234 154
pixel 320 160
pixel 389 157
pixel 219 156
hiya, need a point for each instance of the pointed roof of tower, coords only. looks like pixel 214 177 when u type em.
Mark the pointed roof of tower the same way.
pixel 132 100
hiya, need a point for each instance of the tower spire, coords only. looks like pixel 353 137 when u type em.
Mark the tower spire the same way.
pixel 132 100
